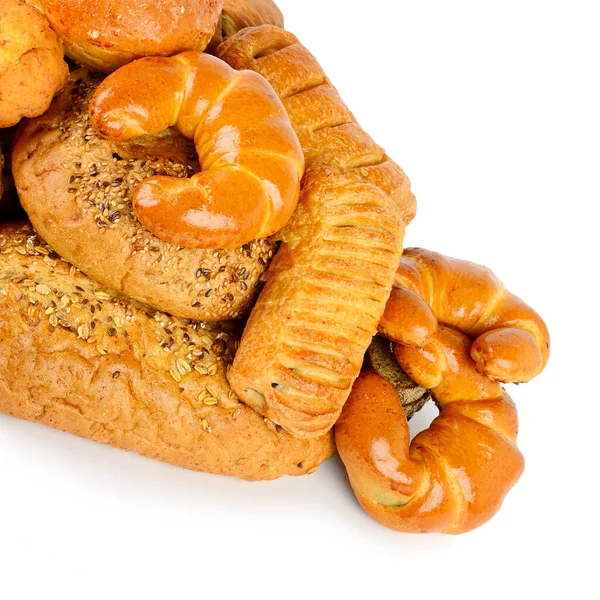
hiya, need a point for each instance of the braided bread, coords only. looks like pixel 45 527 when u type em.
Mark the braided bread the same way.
pixel 32 68
pixel 511 341
pixel 304 343
pixel 454 475
pixel 249 154
pixel 76 188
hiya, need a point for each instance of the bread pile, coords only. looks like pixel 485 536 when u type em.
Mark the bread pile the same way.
pixel 212 244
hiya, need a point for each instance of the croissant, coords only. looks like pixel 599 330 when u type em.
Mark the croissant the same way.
pixel 250 157
pixel 304 343
pixel 511 341
pixel 454 475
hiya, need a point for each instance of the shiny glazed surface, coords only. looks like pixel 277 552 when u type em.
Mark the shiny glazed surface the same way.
pixel 250 157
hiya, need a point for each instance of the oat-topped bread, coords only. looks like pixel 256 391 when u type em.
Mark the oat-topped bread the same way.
pixel 77 357
pixel 77 189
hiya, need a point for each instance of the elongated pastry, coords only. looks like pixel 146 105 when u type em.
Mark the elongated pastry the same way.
pixel 77 357
pixel 32 66
pixel 304 343
pixel 77 187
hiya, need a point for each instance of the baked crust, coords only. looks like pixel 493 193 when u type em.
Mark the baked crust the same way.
pixel 104 35
pixel 239 14
pixel 77 357
pixel 327 288
pixel 32 68
pixel 76 188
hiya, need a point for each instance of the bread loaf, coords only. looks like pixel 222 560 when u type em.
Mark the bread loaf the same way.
pixel 77 357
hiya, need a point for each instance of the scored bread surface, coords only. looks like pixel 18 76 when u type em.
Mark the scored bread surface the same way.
pixel 327 288
pixel 80 358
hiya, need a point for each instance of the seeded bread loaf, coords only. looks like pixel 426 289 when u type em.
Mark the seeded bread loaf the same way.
pixel 79 358
pixel 77 187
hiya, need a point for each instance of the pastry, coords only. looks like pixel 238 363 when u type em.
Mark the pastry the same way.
pixel 304 343
pixel 455 331
pixel 103 35
pixel 76 188
pixel 510 340
pixel 77 357
pixel 250 158
pixel 32 68
pixel 442 481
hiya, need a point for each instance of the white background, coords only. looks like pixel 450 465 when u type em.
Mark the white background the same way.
pixel 492 109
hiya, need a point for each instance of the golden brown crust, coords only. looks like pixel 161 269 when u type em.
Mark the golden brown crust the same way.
pixel 304 344
pixel 511 342
pixel 249 182
pixel 327 130
pixel 103 35
pixel 32 68
pixel 77 187
pixel 307 335
pixel 239 14
pixel 381 360
pixel 79 358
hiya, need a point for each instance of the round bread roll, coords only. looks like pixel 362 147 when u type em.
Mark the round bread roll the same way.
pixel 79 358
pixel 104 35
pixel 32 66
pixel 76 188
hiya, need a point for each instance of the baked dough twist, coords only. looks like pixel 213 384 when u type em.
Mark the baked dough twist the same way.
pixel 250 157
pixel 304 343
pixel 32 68
pixel 80 358
pixel 454 475
pixel 511 342
pixel 103 35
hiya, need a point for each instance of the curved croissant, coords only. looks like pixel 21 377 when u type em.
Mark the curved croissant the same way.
pixel 454 475
pixel 306 338
pixel 251 160
pixel 511 341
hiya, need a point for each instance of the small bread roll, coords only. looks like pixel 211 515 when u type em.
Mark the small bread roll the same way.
pixel 77 188
pixel 77 357
pixel 32 66
pixel 104 35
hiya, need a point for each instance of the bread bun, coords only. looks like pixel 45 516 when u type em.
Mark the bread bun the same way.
pixel 32 68
pixel 104 35
pixel 76 188
pixel 77 357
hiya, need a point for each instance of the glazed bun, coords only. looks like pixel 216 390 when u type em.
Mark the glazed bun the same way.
pixel 104 35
